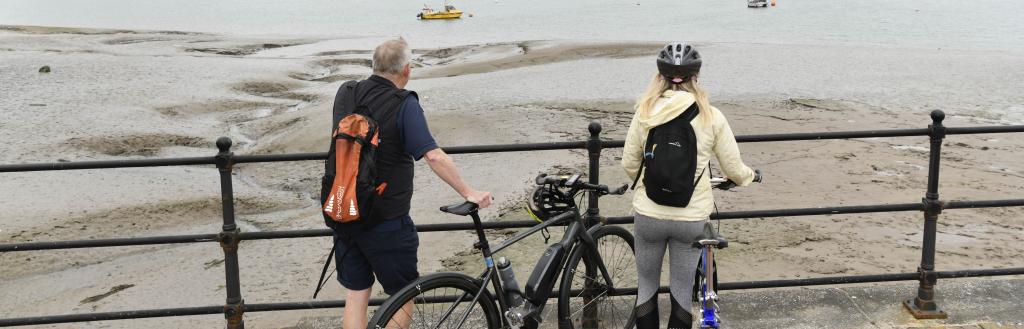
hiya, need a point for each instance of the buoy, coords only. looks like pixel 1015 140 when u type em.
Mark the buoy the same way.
pixel 470 14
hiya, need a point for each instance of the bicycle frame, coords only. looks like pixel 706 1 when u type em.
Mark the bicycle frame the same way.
pixel 708 298
pixel 574 234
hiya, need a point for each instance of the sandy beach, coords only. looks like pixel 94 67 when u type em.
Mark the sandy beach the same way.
pixel 124 94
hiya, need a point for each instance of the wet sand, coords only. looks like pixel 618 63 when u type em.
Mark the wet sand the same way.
pixel 146 94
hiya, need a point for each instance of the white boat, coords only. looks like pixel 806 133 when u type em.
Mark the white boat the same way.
pixel 757 3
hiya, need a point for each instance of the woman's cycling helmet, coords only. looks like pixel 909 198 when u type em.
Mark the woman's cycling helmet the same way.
pixel 547 201
pixel 678 62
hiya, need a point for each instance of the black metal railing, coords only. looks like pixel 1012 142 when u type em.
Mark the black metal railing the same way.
pixel 922 306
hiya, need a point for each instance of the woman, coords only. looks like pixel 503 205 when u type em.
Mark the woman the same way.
pixel 674 217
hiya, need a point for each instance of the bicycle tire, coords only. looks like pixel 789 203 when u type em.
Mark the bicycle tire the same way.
pixel 612 242
pixel 431 288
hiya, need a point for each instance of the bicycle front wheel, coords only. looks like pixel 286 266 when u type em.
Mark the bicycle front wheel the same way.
pixel 585 299
pixel 441 300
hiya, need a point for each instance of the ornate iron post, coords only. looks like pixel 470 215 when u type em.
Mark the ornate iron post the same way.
pixel 924 306
pixel 228 238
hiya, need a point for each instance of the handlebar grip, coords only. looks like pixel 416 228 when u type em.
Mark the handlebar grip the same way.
pixel 621 190
pixel 541 179
pixel 593 187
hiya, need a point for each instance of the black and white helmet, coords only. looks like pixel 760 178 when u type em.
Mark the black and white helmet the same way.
pixel 548 201
pixel 678 62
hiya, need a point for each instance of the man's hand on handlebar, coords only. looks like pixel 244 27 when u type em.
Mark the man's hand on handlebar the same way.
pixel 481 198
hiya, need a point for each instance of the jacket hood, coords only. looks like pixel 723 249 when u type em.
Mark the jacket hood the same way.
pixel 671 104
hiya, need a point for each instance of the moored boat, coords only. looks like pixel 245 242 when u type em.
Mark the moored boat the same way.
pixel 449 12
pixel 757 3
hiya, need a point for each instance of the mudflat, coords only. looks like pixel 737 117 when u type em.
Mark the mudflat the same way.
pixel 118 94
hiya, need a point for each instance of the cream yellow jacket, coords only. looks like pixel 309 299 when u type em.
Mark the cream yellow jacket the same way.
pixel 713 138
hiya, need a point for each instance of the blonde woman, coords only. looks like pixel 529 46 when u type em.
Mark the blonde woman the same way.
pixel 671 139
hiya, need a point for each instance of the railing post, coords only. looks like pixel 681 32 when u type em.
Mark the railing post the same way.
pixel 924 306
pixel 590 317
pixel 228 238
pixel 594 155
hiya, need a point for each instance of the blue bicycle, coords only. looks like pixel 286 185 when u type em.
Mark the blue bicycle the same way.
pixel 706 277
pixel 706 292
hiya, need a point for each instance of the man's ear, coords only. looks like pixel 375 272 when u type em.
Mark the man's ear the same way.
pixel 407 70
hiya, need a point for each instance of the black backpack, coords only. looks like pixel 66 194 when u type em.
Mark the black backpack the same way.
pixel 670 156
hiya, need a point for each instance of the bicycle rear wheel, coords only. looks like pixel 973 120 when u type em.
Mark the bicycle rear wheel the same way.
pixel 440 300
pixel 585 300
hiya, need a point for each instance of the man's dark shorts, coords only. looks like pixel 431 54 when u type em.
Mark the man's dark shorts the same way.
pixel 388 250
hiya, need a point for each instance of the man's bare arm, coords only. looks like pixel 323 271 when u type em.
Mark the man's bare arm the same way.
pixel 444 167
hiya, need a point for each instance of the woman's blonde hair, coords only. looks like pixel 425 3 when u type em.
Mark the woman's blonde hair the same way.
pixel 659 85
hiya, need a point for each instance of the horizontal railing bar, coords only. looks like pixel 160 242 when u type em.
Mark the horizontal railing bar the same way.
pixel 831 135
pixel 741 285
pixel 818 211
pixel 279 157
pixel 450 150
pixel 980 273
pixel 441 227
pixel 288 306
pixel 457 226
pixel 106 164
pixel 796 212
pixel 116 242
pixel 845 210
pixel 120 315
pixel 493 148
pixel 983 204
pixel 307 305
pixel 818 281
pixel 984 130
pixel 515 147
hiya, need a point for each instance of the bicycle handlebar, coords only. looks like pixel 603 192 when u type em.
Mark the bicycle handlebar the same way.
pixel 574 181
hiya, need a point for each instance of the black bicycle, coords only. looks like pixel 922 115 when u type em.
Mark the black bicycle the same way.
pixel 596 264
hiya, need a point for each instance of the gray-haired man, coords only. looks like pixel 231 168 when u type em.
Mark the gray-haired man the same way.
pixel 385 245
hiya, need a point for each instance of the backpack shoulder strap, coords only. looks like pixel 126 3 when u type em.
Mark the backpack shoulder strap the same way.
pixel 386 116
pixel 344 101
pixel 690 113
pixel 403 93
pixel 643 159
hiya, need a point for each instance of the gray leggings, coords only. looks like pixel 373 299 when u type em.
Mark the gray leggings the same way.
pixel 652 237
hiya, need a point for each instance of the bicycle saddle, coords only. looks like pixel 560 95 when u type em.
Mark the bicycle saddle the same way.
pixel 710 238
pixel 461 209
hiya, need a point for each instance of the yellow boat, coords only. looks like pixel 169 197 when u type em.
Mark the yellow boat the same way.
pixel 449 12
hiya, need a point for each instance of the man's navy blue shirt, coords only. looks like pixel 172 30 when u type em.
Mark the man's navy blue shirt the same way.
pixel 413 130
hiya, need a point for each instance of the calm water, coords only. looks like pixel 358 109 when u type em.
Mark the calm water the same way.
pixel 972 24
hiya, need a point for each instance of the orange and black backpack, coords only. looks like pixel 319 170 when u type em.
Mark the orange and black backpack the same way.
pixel 349 185
pixel 352 182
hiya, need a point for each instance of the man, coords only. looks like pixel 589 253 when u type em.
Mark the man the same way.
pixel 386 248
